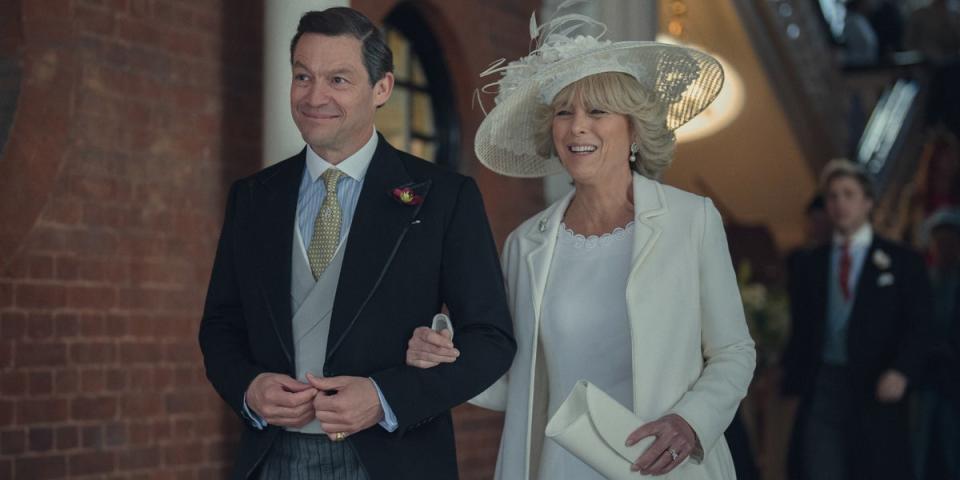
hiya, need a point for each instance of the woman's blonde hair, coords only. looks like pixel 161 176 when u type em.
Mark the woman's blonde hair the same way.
pixel 619 93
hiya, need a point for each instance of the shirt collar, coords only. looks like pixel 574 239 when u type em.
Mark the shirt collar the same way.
pixel 862 238
pixel 354 166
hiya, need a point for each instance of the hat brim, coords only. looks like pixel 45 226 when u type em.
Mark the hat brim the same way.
pixel 684 80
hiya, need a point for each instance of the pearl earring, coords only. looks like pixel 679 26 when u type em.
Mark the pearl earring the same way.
pixel 634 148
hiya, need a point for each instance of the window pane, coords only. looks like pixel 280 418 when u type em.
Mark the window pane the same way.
pixel 423 149
pixel 393 118
pixel 422 114
pixel 401 54
pixel 417 76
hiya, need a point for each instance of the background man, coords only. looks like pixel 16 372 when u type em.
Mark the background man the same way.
pixel 860 306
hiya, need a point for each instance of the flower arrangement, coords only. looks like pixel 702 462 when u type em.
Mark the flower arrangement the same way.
pixel 767 310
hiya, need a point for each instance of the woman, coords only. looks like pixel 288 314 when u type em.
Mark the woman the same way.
pixel 625 282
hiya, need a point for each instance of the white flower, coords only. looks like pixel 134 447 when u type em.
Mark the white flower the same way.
pixel 754 296
pixel 881 259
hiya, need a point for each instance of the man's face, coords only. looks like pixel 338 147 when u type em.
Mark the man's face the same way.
pixel 847 205
pixel 331 98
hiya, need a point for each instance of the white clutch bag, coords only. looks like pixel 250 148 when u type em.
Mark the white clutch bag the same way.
pixel 595 427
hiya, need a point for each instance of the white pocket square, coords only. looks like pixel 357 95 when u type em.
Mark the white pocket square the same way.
pixel 885 280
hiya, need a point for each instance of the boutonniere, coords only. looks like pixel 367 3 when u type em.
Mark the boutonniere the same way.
pixel 881 259
pixel 884 280
pixel 407 196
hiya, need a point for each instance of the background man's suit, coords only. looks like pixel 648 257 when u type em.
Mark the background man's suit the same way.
pixel 402 263
pixel 886 329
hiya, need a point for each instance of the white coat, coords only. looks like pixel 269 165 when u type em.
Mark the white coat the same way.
pixel 692 353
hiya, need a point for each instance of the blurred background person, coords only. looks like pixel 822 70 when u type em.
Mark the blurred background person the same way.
pixel 934 31
pixel 861 46
pixel 859 306
pixel 937 436
pixel 887 21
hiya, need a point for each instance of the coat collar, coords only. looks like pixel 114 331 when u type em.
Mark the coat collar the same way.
pixel 540 236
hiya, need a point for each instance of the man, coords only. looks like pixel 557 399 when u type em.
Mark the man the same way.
pixel 860 306
pixel 937 433
pixel 326 264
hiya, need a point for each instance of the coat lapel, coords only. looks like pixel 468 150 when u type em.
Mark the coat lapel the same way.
pixel 648 202
pixel 821 282
pixel 379 225
pixel 539 240
pixel 275 202
pixel 865 288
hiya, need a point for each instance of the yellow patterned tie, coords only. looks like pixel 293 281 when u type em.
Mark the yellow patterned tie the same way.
pixel 326 229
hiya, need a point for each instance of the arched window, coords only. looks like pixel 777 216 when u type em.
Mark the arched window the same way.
pixel 420 117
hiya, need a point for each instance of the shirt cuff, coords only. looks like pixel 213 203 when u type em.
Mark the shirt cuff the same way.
pixel 389 422
pixel 251 417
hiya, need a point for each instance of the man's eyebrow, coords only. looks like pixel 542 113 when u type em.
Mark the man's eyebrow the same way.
pixel 341 71
pixel 335 71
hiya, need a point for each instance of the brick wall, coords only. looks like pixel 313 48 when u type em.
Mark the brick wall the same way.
pixel 132 118
pixel 132 114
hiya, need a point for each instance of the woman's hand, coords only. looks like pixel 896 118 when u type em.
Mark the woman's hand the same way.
pixel 428 348
pixel 676 440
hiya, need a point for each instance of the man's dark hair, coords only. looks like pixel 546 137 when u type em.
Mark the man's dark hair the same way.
pixel 337 21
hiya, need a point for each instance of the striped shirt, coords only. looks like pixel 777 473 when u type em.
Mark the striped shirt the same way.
pixel 313 190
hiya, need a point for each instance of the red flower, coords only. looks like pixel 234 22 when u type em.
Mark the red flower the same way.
pixel 407 196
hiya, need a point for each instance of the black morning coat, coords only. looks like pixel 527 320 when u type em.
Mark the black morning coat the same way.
pixel 403 261
pixel 888 328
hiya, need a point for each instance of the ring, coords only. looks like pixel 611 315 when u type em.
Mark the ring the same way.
pixel 339 437
pixel 673 454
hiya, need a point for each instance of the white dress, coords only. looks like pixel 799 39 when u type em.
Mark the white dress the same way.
pixel 585 331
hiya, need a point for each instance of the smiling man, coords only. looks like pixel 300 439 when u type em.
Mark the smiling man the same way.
pixel 860 308
pixel 326 264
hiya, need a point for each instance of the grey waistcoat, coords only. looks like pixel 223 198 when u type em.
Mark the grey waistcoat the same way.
pixel 312 303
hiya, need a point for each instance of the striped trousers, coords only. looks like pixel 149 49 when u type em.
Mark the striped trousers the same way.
pixel 299 456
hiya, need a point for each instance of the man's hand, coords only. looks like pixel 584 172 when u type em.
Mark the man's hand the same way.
pixel 281 400
pixel 345 404
pixel 675 441
pixel 891 386
pixel 427 348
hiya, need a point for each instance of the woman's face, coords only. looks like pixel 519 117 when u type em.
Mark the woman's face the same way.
pixel 593 145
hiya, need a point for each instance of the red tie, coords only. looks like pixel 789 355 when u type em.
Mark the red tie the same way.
pixel 845 270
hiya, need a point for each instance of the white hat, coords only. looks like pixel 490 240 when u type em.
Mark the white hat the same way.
pixel 685 81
